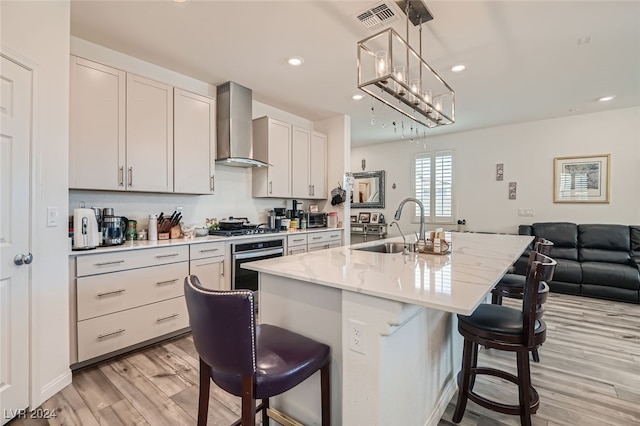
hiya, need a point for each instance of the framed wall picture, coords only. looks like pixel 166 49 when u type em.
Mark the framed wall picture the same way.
pixel 354 218
pixel 375 217
pixel 582 179
pixel 364 217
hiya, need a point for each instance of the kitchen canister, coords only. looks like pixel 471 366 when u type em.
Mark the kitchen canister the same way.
pixel 153 227
pixel 332 221
pixel 132 230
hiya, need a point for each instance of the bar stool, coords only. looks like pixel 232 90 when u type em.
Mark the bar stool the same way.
pixel 507 329
pixel 512 285
pixel 248 360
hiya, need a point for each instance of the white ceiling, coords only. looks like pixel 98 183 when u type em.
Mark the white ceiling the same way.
pixel 524 60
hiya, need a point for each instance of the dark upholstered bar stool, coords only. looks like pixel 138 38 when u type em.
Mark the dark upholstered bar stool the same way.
pixel 507 329
pixel 512 285
pixel 248 360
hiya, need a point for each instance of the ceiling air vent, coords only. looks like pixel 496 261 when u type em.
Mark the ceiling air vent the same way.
pixel 378 15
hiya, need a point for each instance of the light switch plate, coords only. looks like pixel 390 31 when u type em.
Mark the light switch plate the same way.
pixel 52 216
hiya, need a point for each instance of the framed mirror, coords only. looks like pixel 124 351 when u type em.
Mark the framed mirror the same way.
pixel 368 190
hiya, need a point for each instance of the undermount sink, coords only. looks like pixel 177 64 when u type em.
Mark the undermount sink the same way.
pixel 388 248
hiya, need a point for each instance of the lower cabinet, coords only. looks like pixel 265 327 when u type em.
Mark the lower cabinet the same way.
pixel 313 241
pixel 207 262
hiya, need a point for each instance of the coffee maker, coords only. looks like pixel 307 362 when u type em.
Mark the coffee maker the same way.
pixel 85 229
pixel 280 213
pixel 113 230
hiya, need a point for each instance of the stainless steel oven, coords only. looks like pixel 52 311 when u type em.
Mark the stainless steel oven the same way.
pixel 249 252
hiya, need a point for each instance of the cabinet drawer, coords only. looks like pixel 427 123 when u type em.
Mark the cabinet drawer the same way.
pixel 296 240
pixel 129 259
pixel 108 333
pixel 296 250
pixel 209 271
pixel 322 246
pixel 321 237
pixel 107 293
pixel 200 251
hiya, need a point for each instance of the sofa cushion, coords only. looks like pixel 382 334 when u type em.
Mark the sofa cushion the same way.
pixel 604 243
pixel 610 275
pixel 568 271
pixel 610 293
pixel 635 243
pixel 564 236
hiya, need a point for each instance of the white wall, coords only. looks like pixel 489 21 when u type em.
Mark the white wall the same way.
pixel 233 185
pixel 527 151
pixel 38 34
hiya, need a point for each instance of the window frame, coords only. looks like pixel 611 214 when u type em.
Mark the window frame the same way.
pixel 430 216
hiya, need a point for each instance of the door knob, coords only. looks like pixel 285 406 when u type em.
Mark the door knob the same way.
pixel 22 259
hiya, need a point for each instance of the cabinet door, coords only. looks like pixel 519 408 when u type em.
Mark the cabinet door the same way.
pixel 210 271
pixel 318 166
pixel 97 126
pixel 279 184
pixel 149 135
pixel 194 141
pixel 300 185
pixel 296 250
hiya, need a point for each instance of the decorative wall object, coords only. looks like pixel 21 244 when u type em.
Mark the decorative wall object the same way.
pixel 375 217
pixel 368 190
pixel 512 190
pixel 354 218
pixel 364 217
pixel 499 171
pixel 582 179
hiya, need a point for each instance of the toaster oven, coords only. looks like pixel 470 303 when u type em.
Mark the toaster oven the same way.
pixel 316 220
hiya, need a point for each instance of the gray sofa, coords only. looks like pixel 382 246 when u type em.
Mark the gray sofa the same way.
pixel 594 260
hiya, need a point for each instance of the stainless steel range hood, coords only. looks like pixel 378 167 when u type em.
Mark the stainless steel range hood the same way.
pixel 235 126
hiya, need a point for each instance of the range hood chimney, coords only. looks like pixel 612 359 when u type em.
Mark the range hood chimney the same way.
pixel 234 126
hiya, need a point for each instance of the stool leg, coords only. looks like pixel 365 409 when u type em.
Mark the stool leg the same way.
pixel 464 379
pixel 203 399
pixel 325 390
pixel 248 417
pixel 524 383
pixel 496 299
pixel 536 356
pixel 474 364
pixel 265 417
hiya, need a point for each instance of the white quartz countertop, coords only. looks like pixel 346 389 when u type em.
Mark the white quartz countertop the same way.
pixel 143 244
pixel 457 282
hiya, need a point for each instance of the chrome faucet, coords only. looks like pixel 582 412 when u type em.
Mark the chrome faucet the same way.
pixel 405 249
pixel 422 235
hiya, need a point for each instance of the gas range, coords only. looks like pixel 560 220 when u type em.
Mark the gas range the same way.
pixel 244 231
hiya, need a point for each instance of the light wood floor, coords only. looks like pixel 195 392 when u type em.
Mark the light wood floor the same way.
pixel 589 375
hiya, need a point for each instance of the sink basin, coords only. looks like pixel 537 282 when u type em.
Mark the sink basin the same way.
pixel 388 248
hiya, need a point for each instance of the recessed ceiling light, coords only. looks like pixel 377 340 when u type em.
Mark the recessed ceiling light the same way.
pixel 179 1
pixel 357 97
pixel 295 61
pixel 458 68
pixel 605 98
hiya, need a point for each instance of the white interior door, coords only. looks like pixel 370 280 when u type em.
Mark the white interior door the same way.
pixel 15 138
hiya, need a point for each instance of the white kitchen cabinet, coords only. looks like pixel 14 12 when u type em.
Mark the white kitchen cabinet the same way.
pixel 149 135
pixel 272 144
pixel 194 142
pixel 124 298
pixel 208 264
pixel 300 149
pixel 296 244
pixel 97 126
pixel 318 165
pixel 324 240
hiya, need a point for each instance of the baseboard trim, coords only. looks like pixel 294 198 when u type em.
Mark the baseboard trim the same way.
pixel 55 386
pixel 442 404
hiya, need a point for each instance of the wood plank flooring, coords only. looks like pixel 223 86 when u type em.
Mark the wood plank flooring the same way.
pixel 589 374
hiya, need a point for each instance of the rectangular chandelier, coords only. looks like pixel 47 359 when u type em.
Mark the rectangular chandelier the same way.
pixel 390 70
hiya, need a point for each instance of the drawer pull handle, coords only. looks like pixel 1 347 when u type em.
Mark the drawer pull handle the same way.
pixel 335 236
pixel 208 250
pixel 167 282
pixel 115 262
pixel 102 336
pixel 166 318
pixel 106 293
pixel 301 239
pixel 160 256
pixel 317 238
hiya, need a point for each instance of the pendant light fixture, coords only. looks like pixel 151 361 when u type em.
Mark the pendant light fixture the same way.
pixel 390 70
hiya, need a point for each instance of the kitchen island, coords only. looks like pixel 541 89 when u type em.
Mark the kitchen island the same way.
pixel 389 319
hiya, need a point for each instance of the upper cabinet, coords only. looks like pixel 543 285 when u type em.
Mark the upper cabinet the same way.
pixel 309 164
pixel 297 161
pixel 96 130
pixel 149 135
pixel 194 140
pixel 272 145
pixel 122 133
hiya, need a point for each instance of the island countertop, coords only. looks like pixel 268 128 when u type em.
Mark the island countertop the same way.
pixel 456 282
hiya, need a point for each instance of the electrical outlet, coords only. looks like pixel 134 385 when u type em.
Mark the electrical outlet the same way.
pixel 52 216
pixel 357 336
pixel 526 212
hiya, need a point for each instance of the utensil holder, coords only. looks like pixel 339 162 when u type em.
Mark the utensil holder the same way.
pixel 175 232
pixel 163 235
